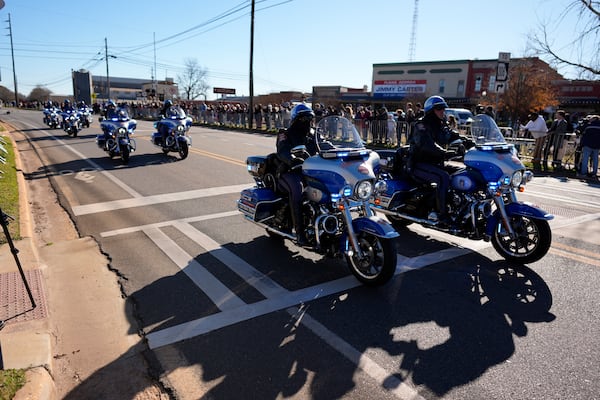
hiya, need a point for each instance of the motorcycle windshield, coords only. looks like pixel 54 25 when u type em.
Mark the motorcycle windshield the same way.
pixel 484 131
pixel 120 114
pixel 175 112
pixel 336 136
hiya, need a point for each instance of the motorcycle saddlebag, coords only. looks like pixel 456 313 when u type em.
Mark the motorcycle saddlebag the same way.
pixel 101 140
pixel 257 204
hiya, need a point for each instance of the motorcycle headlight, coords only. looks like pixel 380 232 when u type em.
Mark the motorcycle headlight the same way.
pixel 363 190
pixel 180 129
pixel 517 179
pixel 381 186
pixel 121 132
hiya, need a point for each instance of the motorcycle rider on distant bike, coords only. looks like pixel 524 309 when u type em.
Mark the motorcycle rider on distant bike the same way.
pixel 164 113
pixel 289 171
pixel 427 153
pixel 66 108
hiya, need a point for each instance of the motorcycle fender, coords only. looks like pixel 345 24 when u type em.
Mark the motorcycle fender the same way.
pixel 375 225
pixel 519 208
pixel 187 139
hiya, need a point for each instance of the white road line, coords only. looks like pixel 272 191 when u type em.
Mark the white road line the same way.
pixel 379 374
pixel 97 167
pixel 190 329
pixel 189 220
pixel 220 295
pixel 157 199
pixel 258 280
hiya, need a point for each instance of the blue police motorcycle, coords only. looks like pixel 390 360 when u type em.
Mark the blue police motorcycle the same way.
pixel 338 183
pixel 172 132
pixel 115 138
pixel 482 199
pixel 52 117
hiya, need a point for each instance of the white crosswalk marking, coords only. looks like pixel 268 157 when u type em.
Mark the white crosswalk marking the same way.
pixel 259 281
pixel 219 294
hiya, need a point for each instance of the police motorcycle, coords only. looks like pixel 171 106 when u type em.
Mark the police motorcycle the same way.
pixel 71 122
pixel 85 114
pixel 481 201
pixel 51 117
pixel 115 138
pixel 171 132
pixel 338 183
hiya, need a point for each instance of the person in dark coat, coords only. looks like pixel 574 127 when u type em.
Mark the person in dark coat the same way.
pixel 427 154
pixel 289 171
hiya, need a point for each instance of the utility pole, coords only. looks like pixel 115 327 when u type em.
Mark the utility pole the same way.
pixel 107 76
pixel 12 52
pixel 251 106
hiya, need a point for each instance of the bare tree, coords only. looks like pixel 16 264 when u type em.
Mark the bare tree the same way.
pixel 192 82
pixel 581 52
pixel 39 93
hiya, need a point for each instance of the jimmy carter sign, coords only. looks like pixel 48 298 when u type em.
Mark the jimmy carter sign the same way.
pixel 399 88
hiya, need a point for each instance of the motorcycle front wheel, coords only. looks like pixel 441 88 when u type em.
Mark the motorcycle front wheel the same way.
pixel 532 242
pixel 125 153
pixel 378 263
pixel 183 150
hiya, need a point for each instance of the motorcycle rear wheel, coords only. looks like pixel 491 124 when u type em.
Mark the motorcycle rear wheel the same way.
pixel 533 241
pixel 378 264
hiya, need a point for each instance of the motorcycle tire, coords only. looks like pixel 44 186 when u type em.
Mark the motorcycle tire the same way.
pixel 125 153
pixel 378 264
pixel 183 150
pixel 533 241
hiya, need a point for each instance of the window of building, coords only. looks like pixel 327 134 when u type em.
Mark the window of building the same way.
pixel 442 85
pixel 478 79
pixel 492 84
pixel 460 89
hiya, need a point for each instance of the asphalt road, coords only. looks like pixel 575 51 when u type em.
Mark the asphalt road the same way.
pixel 229 314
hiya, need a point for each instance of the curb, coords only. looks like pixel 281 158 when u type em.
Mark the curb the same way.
pixel 29 349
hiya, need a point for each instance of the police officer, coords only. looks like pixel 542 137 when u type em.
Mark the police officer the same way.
pixel 290 172
pixel 427 151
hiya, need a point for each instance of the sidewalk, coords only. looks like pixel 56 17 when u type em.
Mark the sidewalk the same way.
pixel 78 342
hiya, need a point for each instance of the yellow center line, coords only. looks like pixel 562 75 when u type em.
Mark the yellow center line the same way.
pixel 213 155
pixel 576 257
pixel 572 249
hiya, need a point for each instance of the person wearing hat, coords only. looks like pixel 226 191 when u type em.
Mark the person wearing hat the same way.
pixel 427 154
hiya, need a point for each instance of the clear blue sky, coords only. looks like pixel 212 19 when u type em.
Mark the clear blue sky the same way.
pixel 298 43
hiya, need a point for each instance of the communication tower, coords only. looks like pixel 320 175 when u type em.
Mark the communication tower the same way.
pixel 413 35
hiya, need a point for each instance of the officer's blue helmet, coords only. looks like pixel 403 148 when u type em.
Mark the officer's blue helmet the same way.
pixel 434 101
pixel 301 110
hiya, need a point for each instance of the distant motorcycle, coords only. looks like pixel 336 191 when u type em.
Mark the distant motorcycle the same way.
pixel 171 132
pixel 85 114
pixel 117 128
pixel 481 201
pixel 71 122
pixel 338 220
pixel 52 117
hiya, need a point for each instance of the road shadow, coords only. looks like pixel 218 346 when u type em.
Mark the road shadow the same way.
pixel 477 305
